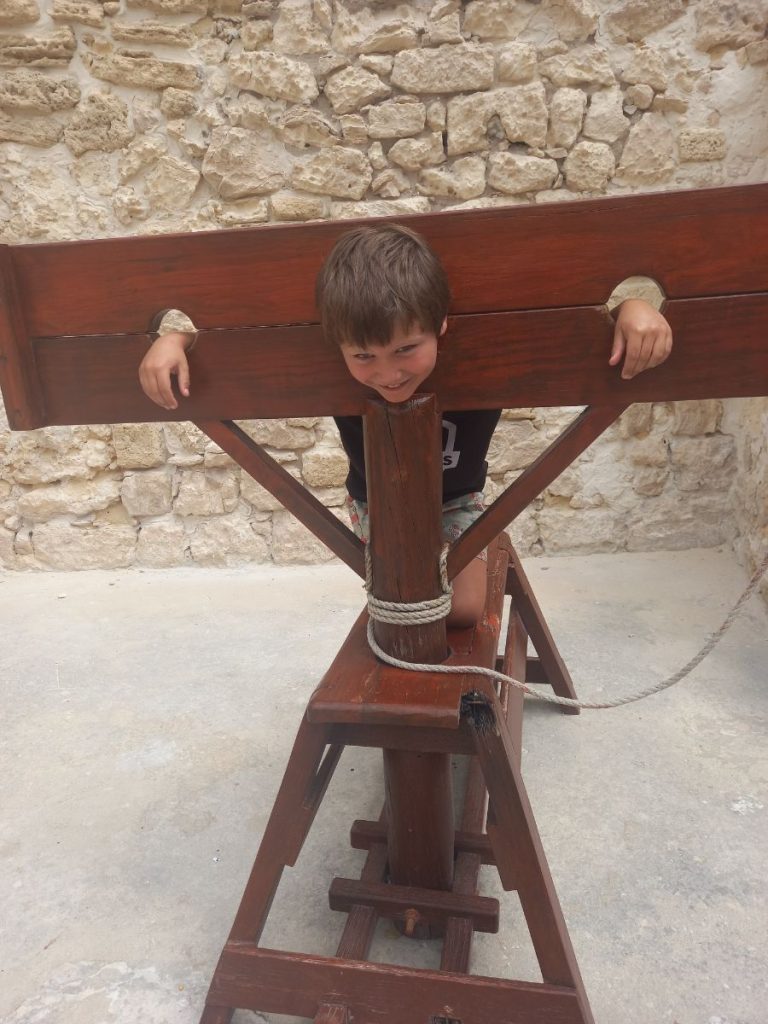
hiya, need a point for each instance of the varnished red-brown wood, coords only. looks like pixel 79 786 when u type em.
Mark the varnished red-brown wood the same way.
pixel 18 374
pixel 543 357
pixel 709 241
pixel 365 834
pixel 274 981
pixel 393 901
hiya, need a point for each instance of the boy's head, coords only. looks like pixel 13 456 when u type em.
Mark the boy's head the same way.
pixel 383 298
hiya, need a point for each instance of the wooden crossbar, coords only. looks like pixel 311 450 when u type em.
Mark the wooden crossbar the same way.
pixel 529 325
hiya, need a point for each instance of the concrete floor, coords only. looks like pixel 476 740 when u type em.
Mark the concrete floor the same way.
pixel 148 716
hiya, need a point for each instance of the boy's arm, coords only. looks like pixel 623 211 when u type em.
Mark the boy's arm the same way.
pixel 643 334
pixel 166 357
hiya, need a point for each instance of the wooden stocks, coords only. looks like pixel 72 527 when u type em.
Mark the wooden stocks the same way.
pixel 403 457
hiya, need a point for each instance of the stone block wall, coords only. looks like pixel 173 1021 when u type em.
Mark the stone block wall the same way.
pixel 136 116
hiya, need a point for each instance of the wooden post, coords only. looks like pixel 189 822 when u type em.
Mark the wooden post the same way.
pixel 404 477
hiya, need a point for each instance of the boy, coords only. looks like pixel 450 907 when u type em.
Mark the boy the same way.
pixel 383 298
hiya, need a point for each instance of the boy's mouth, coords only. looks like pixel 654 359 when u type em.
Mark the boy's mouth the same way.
pixel 394 387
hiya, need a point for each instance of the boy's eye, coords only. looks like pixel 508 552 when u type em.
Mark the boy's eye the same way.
pixel 362 357
pixel 406 348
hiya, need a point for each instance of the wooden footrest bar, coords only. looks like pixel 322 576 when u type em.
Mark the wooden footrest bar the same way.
pixel 273 981
pixel 365 833
pixel 432 905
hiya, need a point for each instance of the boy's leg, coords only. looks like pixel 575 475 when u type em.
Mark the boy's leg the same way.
pixel 469 589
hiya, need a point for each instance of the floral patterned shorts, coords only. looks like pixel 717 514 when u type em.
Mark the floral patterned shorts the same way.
pixel 458 515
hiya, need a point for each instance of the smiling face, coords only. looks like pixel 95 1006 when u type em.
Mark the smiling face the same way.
pixel 398 369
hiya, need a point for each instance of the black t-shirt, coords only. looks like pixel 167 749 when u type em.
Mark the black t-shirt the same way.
pixel 466 437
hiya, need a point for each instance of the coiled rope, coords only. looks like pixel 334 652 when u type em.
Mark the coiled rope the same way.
pixel 417 612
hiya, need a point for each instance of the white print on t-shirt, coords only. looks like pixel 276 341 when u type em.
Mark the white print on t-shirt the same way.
pixel 450 455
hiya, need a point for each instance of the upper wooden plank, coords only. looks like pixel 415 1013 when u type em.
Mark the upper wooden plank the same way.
pixel 704 242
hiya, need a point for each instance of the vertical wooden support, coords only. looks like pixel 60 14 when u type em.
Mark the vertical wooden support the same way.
pixel 18 376
pixel 404 472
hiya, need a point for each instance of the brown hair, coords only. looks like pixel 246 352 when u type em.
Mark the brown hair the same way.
pixel 377 279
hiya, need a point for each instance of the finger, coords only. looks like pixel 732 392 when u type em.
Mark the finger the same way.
pixel 618 347
pixel 182 371
pixel 631 363
pixel 164 390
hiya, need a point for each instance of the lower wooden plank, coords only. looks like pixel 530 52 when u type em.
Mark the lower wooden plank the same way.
pixel 298 983
pixel 393 901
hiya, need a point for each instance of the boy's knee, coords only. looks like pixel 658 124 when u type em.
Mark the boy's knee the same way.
pixel 466 610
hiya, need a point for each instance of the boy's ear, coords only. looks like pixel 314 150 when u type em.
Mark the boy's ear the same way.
pixel 444 327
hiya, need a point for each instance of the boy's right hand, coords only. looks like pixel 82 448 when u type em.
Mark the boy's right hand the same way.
pixel 166 357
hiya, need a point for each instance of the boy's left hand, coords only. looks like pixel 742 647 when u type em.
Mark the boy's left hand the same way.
pixel 645 336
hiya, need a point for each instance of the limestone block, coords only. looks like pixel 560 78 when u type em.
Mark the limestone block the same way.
pixel 54 453
pixel 379 63
pixel 667 524
pixel 185 444
pixel 377 157
pixel 297 30
pixel 516 62
pixel 464 179
pixel 42 132
pixel 100 122
pixel 138 445
pixel 647 66
pixel 389 37
pixel 515 173
pixel 149 31
pixel 84 12
pixel 701 144
pixel 566 114
pixel 462 68
pixel 379 208
pixel 142 71
pixel 32 90
pixel 19 12
pixel 575 20
pixel 242 163
pixel 636 421
pixel 42 50
pixel 172 6
pixel 397 118
pixel 172 182
pixel 258 497
pixel 149 493
pixel 176 103
pixel 253 34
pixel 436 116
pixel 7 550
pixel 324 467
pixel 293 544
pixel 467 122
pixel 354 130
pixel 271 74
pixel 636 19
pixel 258 8
pixel 703 463
pixel 60 545
pixel 522 111
pixel 515 444
pixel 162 544
pixel 293 206
pixel 693 418
pixel 73 497
pixel 640 96
pixel 341 172
pixel 390 183
pixel 140 154
pixel 650 452
pixel 669 102
pixel 304 127
pixel 757 53
pixel 443 30
pixel 323 12
pixel 351 88
pixel 589 166
pixel 128 205
pixel 209 493
pixel 228 541
pixel 241 214
pixel 280 434
pixel 649 153
pixel 586 531
pixel 605 120
pixel 496 19
pixel 729 24
pixel 583 65
pixel 650 481
pixel 413 154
